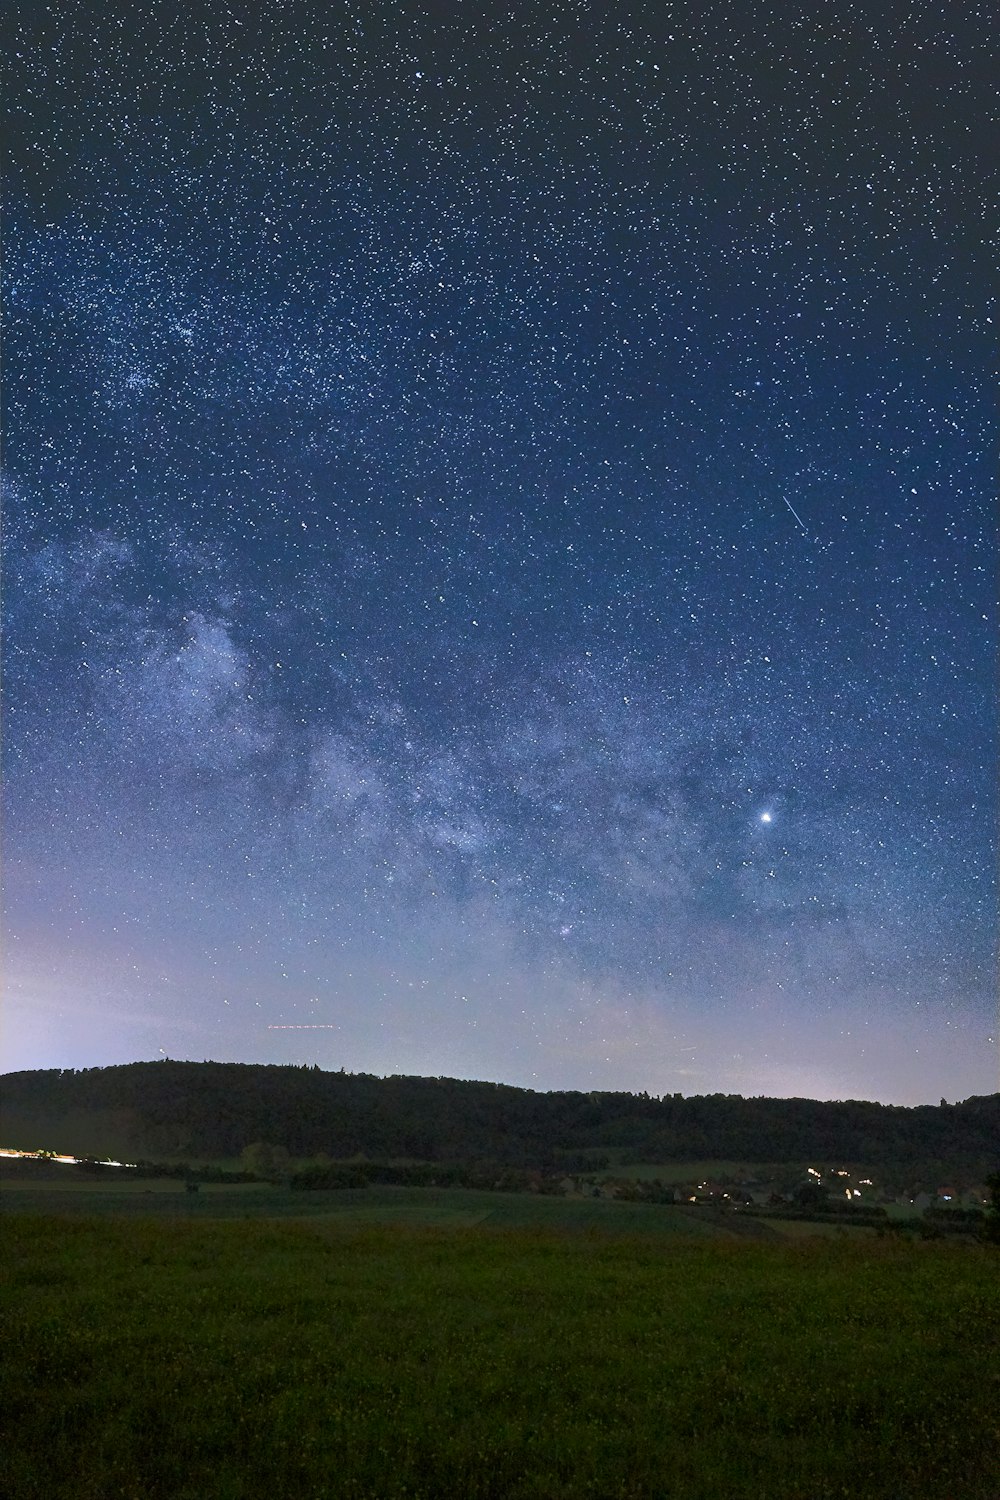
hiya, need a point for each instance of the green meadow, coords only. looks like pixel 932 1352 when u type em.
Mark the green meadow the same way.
pixel 201 1348
pixel 432 1207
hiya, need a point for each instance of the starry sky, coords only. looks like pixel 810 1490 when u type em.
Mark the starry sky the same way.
pixel 500 556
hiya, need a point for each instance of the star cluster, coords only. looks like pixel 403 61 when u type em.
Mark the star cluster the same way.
pixel 499 546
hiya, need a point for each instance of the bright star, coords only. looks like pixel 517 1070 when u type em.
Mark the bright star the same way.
pixel 765 817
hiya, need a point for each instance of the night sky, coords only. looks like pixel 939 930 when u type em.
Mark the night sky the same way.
pixel 500 551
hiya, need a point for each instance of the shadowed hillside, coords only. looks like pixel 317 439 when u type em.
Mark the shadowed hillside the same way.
pixel 210 1110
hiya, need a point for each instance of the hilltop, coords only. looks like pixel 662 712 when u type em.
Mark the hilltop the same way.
pixel 210 1111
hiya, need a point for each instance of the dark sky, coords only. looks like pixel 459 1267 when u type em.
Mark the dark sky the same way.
pixel 500 552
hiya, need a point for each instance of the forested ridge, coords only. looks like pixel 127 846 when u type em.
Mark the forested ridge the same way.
pixel 211 1110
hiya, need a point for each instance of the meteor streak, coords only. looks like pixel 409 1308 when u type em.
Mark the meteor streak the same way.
pixel 795 513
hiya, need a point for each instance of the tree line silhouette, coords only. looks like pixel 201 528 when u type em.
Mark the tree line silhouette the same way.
pixel 213 1110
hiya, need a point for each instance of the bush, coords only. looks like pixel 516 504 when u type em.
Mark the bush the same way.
pixel 991 1220
pixel 263 1160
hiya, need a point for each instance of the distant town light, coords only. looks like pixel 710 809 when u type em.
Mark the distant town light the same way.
pixel 56 1156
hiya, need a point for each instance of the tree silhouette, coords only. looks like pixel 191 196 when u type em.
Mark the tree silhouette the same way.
pixel 991 1226
pixel 272 1163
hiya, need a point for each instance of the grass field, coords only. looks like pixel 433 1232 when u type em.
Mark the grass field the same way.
pixel 167 1199
pixel 200 1359
pixel 64 1191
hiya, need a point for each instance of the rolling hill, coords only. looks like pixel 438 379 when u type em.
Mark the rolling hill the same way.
pixel 208 1110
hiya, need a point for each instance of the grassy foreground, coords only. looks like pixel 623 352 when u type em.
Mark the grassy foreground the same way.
pixel 218 1360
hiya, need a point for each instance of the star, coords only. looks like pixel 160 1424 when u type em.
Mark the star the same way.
pixel 414 577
